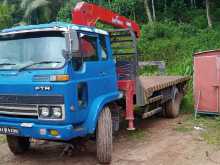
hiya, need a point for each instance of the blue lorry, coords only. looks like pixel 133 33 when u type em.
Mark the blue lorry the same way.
pixel 60 81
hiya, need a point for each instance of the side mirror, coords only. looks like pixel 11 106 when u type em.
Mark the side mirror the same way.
pixel 72 43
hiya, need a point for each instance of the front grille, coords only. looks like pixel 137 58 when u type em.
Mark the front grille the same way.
pixel 19 110
pixel 14 99
pixel 26 106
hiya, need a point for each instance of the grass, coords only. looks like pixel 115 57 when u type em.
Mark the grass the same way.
pixel 183 129
pixel 2 139
pixel 210 127
pixel 185 126
pixel 138 134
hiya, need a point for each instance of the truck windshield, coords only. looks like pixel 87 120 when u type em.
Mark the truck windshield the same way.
pixel 20 50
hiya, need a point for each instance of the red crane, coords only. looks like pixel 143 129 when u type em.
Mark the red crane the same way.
pixel 89 14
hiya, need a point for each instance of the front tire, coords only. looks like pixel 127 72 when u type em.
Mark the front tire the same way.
pixel 104 136
pixel 18 145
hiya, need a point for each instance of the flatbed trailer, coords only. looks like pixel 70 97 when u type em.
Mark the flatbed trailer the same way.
pixel 151 84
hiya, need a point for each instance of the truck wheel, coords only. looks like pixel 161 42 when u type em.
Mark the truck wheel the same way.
pixel 172 107
pixel 18 145
pixel 104 136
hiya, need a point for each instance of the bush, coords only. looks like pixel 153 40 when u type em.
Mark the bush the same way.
pixel 129 8
pixel 65 12
pixel 197 18
pixel 175 44
pixel 177 11
pixel 5 15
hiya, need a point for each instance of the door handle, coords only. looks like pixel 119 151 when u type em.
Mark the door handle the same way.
pixel 103 73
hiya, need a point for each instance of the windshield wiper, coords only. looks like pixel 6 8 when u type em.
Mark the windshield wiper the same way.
pixel 2 64
pixel 36 63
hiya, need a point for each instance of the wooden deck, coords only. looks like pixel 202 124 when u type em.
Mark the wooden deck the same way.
pixel 151 84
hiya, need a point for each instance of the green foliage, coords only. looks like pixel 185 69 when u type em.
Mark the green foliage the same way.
pixel 175 44
pixel 31 5
pixel 36 11
pixel 6 11
pixel 138 134
pixel 177 11
pixel 2 139
pixel 64 13
pixel 129 8
pixel 212 134
pixel 197 18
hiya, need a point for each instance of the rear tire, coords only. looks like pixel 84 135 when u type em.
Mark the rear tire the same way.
pixel 172 107
pixel 104 136
pixel 18 145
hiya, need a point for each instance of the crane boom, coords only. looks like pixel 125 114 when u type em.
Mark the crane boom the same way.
pixel 88 14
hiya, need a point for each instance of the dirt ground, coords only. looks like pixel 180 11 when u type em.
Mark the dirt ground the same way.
pixel 155 143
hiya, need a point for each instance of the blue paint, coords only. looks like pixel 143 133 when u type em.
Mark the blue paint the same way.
pixel 57 25
pixel 102 89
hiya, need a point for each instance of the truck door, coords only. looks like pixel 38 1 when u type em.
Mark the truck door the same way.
pixel 107 65
pixel 95 75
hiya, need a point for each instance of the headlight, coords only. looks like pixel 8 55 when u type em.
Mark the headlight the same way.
pixel 51 112
pixel 44 111
pixel 57 112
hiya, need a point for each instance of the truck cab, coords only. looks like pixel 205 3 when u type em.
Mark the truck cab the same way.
pixel 54 81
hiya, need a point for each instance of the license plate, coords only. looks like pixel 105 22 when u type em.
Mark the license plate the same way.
pixel 10 131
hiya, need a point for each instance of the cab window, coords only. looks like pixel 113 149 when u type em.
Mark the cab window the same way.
pixel 88 48
pixel 103 48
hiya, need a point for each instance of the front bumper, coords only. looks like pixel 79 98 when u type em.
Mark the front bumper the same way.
pixel 38 131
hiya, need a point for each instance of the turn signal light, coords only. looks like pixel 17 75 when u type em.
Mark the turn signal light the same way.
pixel 54 132
pixel 59 78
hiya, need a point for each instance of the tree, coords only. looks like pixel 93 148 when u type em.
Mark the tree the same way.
pixel 128 8
pixel 6 11
pixel 148 12
pixel 64 14
pixel 177 10
pixel 193 3
pixel 153 10
pixel 34 9
pixel 40 11
pixel 208 14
